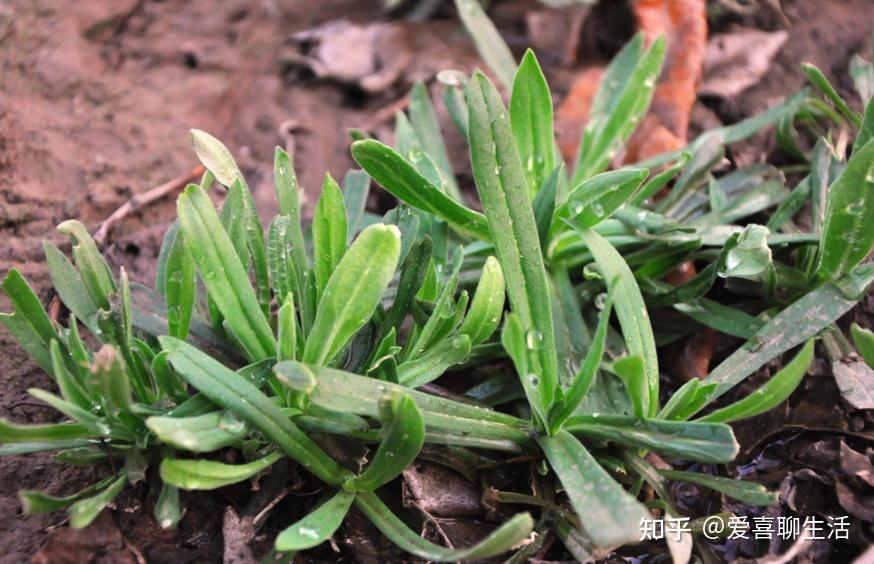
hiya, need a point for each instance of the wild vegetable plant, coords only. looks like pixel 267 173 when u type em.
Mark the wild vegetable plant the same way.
pixel 280 343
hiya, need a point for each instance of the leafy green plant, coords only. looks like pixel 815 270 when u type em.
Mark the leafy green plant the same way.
pixel 280 342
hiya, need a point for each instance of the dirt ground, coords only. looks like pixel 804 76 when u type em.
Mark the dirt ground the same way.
pixel 96 100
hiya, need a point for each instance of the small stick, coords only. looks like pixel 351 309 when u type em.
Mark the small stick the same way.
pixel 140 200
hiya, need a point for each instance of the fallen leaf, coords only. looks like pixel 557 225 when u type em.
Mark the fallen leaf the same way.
pixel 855 379
pixel 856 465
pixel 739 59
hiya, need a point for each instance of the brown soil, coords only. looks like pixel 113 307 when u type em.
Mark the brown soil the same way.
pixel 95 104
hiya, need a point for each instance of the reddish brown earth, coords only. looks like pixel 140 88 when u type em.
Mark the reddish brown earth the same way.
pixel 96 99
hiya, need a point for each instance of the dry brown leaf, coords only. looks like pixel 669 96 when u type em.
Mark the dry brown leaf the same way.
pixel 739 59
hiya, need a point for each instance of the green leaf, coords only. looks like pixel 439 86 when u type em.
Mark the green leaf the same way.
pixel 745 492
pixel 403 436
pixel 189 474
pixel 28 322
pixel 93 269
pixel 501 184
pixel 356 186
pixel 585 376
pixel 84 511
pixel 33 502
pixel 398 176
pixel 488 41
pixel 317 526
pixel 287 192
pixel 704 442
pixel 329 233
pixel 350 393
pixel 630 370
pixel 231 391
pixel 544 205
pixel 610 516
pixel 815 76
pixel 225 277
pixel 509 534
pixel 110 375
pixel 864 341
pixel 353 292
pixel 286 330
pixel 595 199
pixel 412 276
pixel 770 395
pixel 70 386
pixel 85 418
pixel 215 157
pixel 630 309
pixel 515 341
pixel 531 120
pixel 179 287
pixel 619 105
pixel 70 287
pixel 487 305
pixel 750 258
pixel 434 362
pixel 199 433
pixel 427 129
pixel 791 327
pixel 847 235
pixel 14 433
pixel 167 508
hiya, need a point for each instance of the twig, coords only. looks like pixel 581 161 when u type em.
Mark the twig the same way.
pixel 385 113
pixel 140 200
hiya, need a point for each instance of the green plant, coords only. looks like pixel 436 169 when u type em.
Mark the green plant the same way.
pixel 278 344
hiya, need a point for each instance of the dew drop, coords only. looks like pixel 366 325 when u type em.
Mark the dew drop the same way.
pixel 534 339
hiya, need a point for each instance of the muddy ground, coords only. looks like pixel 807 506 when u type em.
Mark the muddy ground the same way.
pixel 97 97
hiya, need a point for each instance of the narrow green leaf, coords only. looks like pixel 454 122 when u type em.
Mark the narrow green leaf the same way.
pixel 110 375
pixel 81 416
pixel 286 330
pixel 189 474
pixel 33 502
pixel 434 362
pixel 771 394
pixel 501 184
pixel 620 112
pixel 179 288
pixel 531 120
pixel 403 436
pixel 94 270
pixel 15 433
pixel 487 305
pixel 28 322
pixel 595 199
pixel 225 277
pixel 413 274
pixel 791 327
pixel 705 442
pixel 398 176
pixel 864 341
pixel 199 433
pixel 585 376
pixel 69 384
pixel 168 511
pixel 329 233
pixel 610 516
pixel 815 76
pixel 356 186
pixel 84 511
pixel 630 370
pixel 350 393
pixel 509 534
pixel 353 292
pixel 288 194
pixel 230 391
pixel 630 309
pixel 427 128
pixel 317 526
pixel 488 41
pixel 69 286
pixel 847 235
pixel 544 205
pixel 745 492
